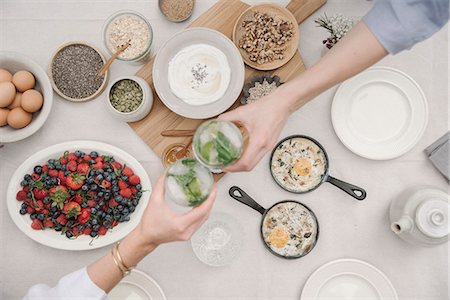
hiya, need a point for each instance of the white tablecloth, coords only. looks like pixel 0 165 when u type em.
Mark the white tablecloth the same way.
pixel 348 228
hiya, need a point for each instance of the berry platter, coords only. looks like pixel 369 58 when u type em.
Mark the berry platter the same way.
pixel 77 206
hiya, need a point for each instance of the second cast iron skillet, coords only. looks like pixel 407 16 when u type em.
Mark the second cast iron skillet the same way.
pixel 353 190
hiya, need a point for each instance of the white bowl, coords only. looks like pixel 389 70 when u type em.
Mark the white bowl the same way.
pixel 184 39
pixel 14 62
pixel 144 108
pixel 50 237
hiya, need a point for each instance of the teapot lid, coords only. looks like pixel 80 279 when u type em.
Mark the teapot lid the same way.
pixel 432 218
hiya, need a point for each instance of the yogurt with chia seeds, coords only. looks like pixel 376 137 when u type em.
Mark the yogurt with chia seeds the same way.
pixel 199 74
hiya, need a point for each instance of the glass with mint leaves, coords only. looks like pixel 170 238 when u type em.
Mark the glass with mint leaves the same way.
pixel 188 183
pixel 217 144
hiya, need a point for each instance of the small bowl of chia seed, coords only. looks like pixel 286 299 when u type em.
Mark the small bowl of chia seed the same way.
pixel 130 98
pixel 73 71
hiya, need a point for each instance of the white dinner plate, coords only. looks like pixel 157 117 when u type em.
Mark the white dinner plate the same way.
pixel 137 286
pixel 190 37
pixel 348 279
pixel 54 239
pixel 380 114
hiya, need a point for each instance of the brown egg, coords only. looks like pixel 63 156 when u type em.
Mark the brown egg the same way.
pixel 5 75
pixel 18 118
pixel 3 116
pixel 16 101
pixel 31 101
pixel 7 93
pixel 23 80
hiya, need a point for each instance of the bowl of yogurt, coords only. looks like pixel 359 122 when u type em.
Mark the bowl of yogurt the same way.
pixel 198 73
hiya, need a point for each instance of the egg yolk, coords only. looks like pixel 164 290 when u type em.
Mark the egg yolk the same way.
pixel 278 237
pixel 302 167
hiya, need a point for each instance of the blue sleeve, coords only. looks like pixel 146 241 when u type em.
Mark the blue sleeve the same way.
pixel 400 24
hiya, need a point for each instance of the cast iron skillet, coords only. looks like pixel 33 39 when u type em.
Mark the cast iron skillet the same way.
pixel 353 190
pixel 239 195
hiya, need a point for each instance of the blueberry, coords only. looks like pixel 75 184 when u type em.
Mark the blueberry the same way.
pixel 23 211
pixel 120 207
pixel 96 227
pixel 107 196
pixel 51 161
pixel 95 197
pixel 93 233
pixel 58 227
pixel 23 183
pixel 108 177
pixel 125 211
pixel 82 154
pixel 38 169
pixel 94 154
pixel 72 192
pixel 33 216
pixel 78 153
pixel 100 177
pixel 84 205
pixel 56 214
pixel 124 178
pixel 27 177
pixel 93 210
pixel 100 194
pixel 138 187
pixel 99 213
pixel 66 173
pixel 119 198
pixel 40 217
pixel 24 205
pixel 139 194
pixel 92 162
pixel 84 188
pixel 69 234
pixel 51 167
pixel 29 195
pixel 63 167
pixel 106 223
pixel 69 223
pixel 94 222
pixel 101 203
pixel 126 219
pixel 114 182
pixel 90 181
pixel 53 209
pixel 100 171
pixel 135 202
pixel 115 189
pixel 116 217
pixel 54 180
pixel 109 170
pixel 113 176
pixel 132 209
pixel 46 200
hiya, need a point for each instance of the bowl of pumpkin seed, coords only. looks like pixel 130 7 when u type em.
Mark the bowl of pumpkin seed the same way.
pixel 130 98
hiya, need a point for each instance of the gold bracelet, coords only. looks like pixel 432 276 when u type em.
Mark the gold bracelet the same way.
pixel 119 262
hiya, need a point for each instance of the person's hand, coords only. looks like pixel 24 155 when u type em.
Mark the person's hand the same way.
pixel 264 120
pixel 160 224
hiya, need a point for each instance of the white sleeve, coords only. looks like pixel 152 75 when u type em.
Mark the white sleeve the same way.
pixel 74 286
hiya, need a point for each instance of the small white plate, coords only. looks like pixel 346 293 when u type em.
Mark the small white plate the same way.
pixel 137 286
pixel 348 279
pixel 380 114
pixel 190 37
pixel 54 239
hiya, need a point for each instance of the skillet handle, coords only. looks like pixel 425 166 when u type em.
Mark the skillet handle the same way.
pixel 353 190
pixel 239 195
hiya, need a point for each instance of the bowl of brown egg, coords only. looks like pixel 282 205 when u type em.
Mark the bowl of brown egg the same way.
pixel 26 97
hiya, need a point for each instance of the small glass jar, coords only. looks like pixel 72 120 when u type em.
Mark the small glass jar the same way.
pixel 188 183
pixel 143 56
pixel 217 144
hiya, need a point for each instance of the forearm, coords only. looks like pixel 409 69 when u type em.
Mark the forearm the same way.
pixel 104 272
pixel 358 50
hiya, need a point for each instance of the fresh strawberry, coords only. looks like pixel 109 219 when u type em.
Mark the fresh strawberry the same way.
pixel 62 177
pixel 84 216
pixel 77 198
pixel 127 171
pixel 59 195
pixel 47 206
pixel 91 203
pixel 99 159
pixel 126 193
pixel 75 181
pixel 71 166
pixel 39 205
pixel 102 230
pixel 87 231
pixel 106 184
pixel 122 185
pixel 72 209
pixel 30 210
pixel 114 223
pixel 44 168
pixel 26 189
pixel 134 180
pixel 116 165
pixel 74 231
pixel 113 203
pixel 87 157
pixel 98 166
pixel 21 195
pixel 63 160
pixel 83 168
pixel 49 223
pixel 79 160
pixel 53 173
pixel 39 194
pixel 37 225
pixel 72 157
pixel 44 210
pixel 62 220
pixel 35 176
pixel 133 190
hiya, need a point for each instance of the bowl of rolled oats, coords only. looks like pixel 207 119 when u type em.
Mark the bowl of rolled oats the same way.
pixel 267 36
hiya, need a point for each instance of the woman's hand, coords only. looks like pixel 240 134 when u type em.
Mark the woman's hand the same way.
pixel 264 120
pixel 160 224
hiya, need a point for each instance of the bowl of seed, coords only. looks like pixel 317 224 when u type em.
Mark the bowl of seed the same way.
pixel 258 87
pixel 73 71
pixel 130 98
pixel 176 10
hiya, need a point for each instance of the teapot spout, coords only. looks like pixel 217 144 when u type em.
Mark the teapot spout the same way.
pixel 404 224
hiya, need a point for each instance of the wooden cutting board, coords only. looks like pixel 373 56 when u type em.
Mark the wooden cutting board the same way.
pixel 222 17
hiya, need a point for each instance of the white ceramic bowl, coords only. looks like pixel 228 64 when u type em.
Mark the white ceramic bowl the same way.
pixel 144 108
pixel 187 38
pixel 14 62
pixel 50 237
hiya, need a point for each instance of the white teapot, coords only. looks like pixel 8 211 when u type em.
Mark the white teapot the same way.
pixel 420 216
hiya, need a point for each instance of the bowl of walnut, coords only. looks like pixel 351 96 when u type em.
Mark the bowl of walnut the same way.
pixel 267 36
